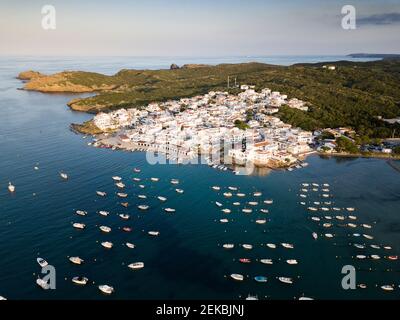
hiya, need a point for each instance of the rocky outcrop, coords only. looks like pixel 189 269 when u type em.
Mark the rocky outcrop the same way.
pixel 174 67
pixel 29 75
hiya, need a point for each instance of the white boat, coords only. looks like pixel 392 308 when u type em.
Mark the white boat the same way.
pixel 264 210
pixel 228 246
pixel 136 179
pixel 269 201
pixel 315 235
pixel 101 193
pixel 105 229
pixel 142 186
pixel 328 217
pixel 387 288
pixel 375 257
pixel 104 213
pixel 325 209
pixel 247 246
pixel 312 209
pixel 174 181
pixel 64 175
pixel 179 190
pixel 136 265
pixel 287 245
pixel 11 187
pixel 226 211
pixel 136 170
pixel 261 221
pixel 253 203
pixel 325 195
pixel 387 248
pixel 43 263
pixel 304 190
pixel 326 185
pixel 315 219
pixel 246 210
pixel 327 225
pixel 367 226
pixel 271 245
pixel 266 261
pixel 352 217
pixel 130 245
pixel 240 195
pixel 142 196
pixel 367 236
pixel 251 298
pixel 292 261
pixel 80 226
pixel 328 235
pixel 228 194
pixel 315 185
pixel 361 257
pixel 76 260
pixel 154 233
pixel 257 194
pixel 325 190
pixel 106 289
pixel 374 246
pixel 305 299
pixel 169 210
pixel 285 280
pixel 223 220
pixel 237 277
pixel 305 184
pixel 43 284
pixel 120 185
pixel 219 204
pixel 350 209
pixel 341 218
pixel 154 179
pixel 143 207
pixel 122 195
pixel 303 196
pixel 303 203
pixel 81 212
pixel 359 246
pixel 233 188
pixel 124 216
pixel 116 178
pixel 352 225
pixel 336 209
pixel 163 199
pixel 216 188
pixel 80 280
pixel 236 204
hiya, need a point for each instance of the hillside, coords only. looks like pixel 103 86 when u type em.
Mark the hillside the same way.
pixel 354 94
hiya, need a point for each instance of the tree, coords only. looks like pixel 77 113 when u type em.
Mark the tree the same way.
pixel 346 145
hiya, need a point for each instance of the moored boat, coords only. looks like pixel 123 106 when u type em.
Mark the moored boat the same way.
pixel 11 187
pixel 76 260
pixel 105 229
pixel 169 210
pixel 237 277
pixel 104 213
pixel 136 265
pixel 154 233
pixel 260 279
pixel 101 193
pixel 285 280
pixel 106 289
pixel 43 263
pixel 80 280
pixel 80 226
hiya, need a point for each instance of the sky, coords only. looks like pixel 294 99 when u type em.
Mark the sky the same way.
pixel 198 28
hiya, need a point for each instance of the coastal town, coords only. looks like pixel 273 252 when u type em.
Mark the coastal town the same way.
pixel 232 129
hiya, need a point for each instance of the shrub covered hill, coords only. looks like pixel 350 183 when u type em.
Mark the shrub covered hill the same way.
pixel 357 95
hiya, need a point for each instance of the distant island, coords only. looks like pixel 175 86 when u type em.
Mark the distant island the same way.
pixel 375 55
pixel 360 95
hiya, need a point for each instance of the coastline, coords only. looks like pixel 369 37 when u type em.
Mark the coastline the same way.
pixel 359 155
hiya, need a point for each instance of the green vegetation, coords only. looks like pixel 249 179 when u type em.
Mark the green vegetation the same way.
pixel 396 150
pixel 346 145
pixel 354 95
pixel 242 125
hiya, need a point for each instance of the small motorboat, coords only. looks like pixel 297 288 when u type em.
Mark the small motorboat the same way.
pixel 325 209
pixel 287 245
pixel 106 289
pixel 227 194
pixel 163 199
pixel 169 210
pixel 312 209
pixel 367 236
pixel 43 284
pixel 142 186
pixel 269 201
pixel 154 179
pixel 117 178
pixel 136 170
pixel 136 265
pixel 80 226
pixel 303 196
pixel 228 246
pixel 143 207
pixel 125 204
pixel 80 280
pixel 266 261
pixel 237 277
pixel 375 257
pixel 154 233
pixel 359 246
pixel 350 209
pixel 327 225
pixel 122 195
pixel 328 235
pixel 261 221
pixel 315 185
pixel 260 279
pixel 233 188
pixel 64 176
pixel 179 191
pixel 246 210
pixel 76 260
pixel 325 195
pixel 124 216
pixel 305 299
pixel 219 204
pixel 142 196
pixel 236 204
pixel 264 211
pixel 257 194
pixel 336 209
pixel 292 261
pixel 43 263
pixel 216 188
pixel 271 245
pixel 240 195
pixel 366 226
pixel 247 246
pixel 315 235
pixel 362 286
pixel 387 248
pixel 120 185
pixel 361 257
pixel 352 217
pixel 285 280
pixel 223 220
pixel 227 211
pixel 127 229
pixel 81 212
pixel 253 203
pixel 104 213
pixel 101 193
pixel 174 181
pixel 393 258
pixel 105 229
pixel 107 244
pixel 387 288
pixel 341 218
pixel 136 179
pixel 374 246
pixel 315 219
pixel 244 260
pixel 352 225
pixel 328 217
pixel 251 298
pixel 11 187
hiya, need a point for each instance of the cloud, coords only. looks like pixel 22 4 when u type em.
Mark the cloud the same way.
pixel 380 19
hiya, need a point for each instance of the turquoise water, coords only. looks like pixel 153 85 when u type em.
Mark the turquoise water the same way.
pixel 186 260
